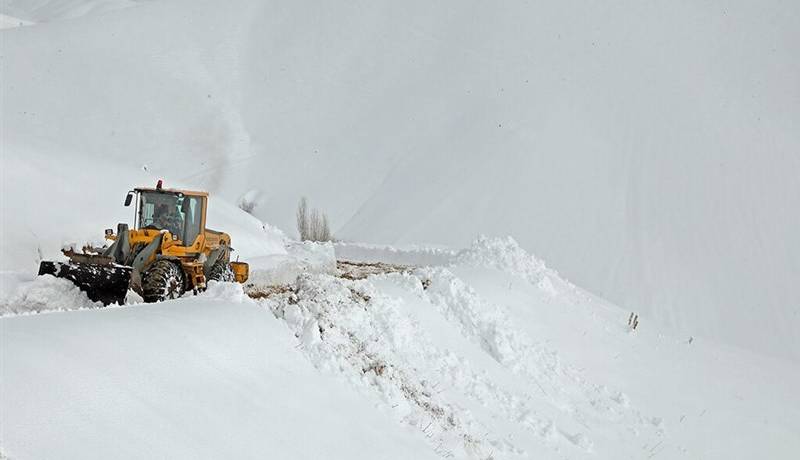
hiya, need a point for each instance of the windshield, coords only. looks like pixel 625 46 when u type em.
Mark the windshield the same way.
pixel 177 213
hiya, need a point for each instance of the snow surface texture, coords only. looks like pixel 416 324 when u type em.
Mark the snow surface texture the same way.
pixel 207 377
pixel 647 150
pixel 7 22
pixel 22 292
pixel 36 225
pixel 38 11
pixel 475 359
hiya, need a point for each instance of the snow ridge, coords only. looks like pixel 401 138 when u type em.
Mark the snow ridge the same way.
pixel 506 255
pixel 42 294
pixel 443 360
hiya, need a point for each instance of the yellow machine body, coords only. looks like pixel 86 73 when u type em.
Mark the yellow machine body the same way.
pixel 190 254
pixel 168 251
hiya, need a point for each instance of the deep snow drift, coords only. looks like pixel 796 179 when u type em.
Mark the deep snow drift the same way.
pixel 647 150
pixel 213 378
pixel 490 355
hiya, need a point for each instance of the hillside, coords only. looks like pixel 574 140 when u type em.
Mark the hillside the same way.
pixel 487 354
pixel 648 152
pixel 650 157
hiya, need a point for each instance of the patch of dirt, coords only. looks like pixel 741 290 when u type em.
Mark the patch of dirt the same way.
pixel 360 270
pixel 345 269
pixel 262 291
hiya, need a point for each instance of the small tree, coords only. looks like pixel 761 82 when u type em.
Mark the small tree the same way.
pixel 325 231
pixel 302 219
pixel 246 205
pixel 312 226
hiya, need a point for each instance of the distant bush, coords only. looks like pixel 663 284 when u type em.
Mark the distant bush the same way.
pixel 247 206
pixel 248 201
pixel 313 225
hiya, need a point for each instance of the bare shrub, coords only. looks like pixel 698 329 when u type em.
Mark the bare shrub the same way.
pixel 248 201
pixel 313 225
pixel 247 206
pixel 302 219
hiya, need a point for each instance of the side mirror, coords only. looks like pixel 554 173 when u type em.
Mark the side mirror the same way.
pixel 128 199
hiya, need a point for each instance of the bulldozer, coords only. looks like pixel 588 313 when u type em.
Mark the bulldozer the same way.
pixel 169 251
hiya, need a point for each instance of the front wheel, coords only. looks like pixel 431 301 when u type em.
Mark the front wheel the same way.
pixel 221 270
pixel 163 280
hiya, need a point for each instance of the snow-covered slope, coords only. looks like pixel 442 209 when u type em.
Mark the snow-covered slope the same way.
pixel 38 11
pixel 490 355
pixel 53 198
pixel 647 150
pixel 7 22
pixel 213 378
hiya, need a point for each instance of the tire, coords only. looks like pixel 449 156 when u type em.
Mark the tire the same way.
pixel 163 280
pixel 221 270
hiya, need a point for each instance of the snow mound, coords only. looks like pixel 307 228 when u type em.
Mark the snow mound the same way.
pixel 42 294
pixel 225 291
pixel 191 378
pixel 483 323
pixel 506 255
pixel 470 360
pixel 406 255
pixel 299 258
pixel 349 329
pixel 446 362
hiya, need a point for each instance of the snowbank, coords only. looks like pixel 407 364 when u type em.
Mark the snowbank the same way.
pixel 470 356
pixel 666 184
pixel 406 255
pixel 474 359
pixel 216 377
pixel 27 294
pixel 506 255
pixel 300 258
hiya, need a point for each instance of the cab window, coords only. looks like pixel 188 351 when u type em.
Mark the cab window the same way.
pixel 192 207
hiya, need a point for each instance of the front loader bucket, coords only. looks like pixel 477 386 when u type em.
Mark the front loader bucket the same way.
pixel 106 283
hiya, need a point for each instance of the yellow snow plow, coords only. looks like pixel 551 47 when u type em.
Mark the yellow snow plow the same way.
pixel 168 252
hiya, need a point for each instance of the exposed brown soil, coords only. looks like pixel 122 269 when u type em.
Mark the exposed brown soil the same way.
pixel 360 270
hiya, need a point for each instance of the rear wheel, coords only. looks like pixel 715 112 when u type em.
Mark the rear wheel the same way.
pixel 163 280
pixel 221 270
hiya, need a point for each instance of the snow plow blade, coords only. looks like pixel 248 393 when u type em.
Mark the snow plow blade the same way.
pixel 102 282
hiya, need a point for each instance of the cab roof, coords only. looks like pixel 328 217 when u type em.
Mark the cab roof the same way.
pixel 171 191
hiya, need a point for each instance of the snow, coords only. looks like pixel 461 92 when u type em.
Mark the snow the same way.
pixel 37 225
pixel 215 377
pixel 407 255
pixel 647 152
pixel 483 345
pixel 472 359
pixel 7 22
pixel 305 257
pixel 29 294
pixel 41 11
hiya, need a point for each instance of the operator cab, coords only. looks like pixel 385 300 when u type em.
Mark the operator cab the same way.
pixel 179 212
